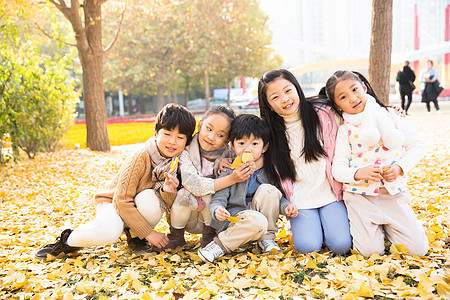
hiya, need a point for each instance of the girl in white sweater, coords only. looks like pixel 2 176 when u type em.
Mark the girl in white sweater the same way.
pixel 375 148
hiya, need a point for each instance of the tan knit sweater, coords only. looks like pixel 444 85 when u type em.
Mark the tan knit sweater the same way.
pixel 135 175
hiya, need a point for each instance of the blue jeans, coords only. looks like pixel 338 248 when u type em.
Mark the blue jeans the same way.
pixel 327 224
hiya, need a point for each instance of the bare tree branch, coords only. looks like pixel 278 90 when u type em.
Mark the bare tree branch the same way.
pixel 116 37
pixel 49 35
pixel 62 8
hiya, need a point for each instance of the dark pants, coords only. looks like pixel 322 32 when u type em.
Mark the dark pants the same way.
pixel 436 105
pixel 404 95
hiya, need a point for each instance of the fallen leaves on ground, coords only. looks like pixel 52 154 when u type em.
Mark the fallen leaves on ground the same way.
pixel 41 197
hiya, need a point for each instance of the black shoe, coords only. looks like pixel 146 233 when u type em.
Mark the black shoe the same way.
pixel 59 248
pixel 136 245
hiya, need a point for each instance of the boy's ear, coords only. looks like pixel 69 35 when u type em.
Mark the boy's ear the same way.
pixel 265 148
pixel 231 146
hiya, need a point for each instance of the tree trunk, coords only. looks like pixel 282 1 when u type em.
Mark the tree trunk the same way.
pixel 141 104
pixel 207 104
pixel 186 92
pixel 229 93
pixel 160 96
pixel 93 92
pixel 381 48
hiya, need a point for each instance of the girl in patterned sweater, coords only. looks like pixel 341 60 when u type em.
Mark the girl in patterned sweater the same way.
pixel 199 168
pixel 375 148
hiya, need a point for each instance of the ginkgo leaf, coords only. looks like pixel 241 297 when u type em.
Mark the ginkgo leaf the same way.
pixel 233 219
pixel 237 162
pixel 173 165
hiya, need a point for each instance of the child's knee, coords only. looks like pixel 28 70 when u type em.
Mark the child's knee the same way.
pixel 267 193
pixel 419 248
pixel 306 245
pixel 369 249
pixel 340 245
pixel 257 220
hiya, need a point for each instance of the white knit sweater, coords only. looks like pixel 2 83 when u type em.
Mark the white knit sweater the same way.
pixel 312 188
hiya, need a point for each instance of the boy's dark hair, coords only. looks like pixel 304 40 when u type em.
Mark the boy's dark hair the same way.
pixel 247 124
pixel 173 115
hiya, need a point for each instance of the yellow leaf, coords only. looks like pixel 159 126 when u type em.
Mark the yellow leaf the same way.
pixel 146 296
pixel 247 156
pixel 79 263
pixel 233 219
pixel 237 162
pixel 173 165
pixel 401 248
pixel 443 288
pixel 281 234
pixel 364 290
pixel 311 265
pixel 425 284
pixel 436 228
pixel 170 285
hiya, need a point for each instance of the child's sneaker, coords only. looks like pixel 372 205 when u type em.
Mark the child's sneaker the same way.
pixel 267 245
pixel 57 248
pixel 211 252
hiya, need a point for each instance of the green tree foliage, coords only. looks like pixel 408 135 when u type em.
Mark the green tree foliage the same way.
pixel 36 100
pixel 165 45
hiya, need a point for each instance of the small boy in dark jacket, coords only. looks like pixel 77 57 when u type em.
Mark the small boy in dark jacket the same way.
pixel 254 204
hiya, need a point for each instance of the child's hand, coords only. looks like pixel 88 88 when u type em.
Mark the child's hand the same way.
pixel 392 173
pixel 157 239
pixel 291 211
pixel 372 172
pixel 221 213
pixel 171 183
pixel 224 163
pixel 242 173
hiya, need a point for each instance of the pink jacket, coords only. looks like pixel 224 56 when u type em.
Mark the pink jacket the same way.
pixel 329 132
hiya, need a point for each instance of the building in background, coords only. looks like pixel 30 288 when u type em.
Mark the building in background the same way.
pixel 307 32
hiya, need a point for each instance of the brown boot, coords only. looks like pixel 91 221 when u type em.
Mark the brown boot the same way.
pixel 209 233
pixel 137 245
pixel 176 239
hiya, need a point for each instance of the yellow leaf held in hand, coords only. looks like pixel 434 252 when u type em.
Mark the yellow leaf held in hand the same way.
pixel 233 219
pixel 247 156
pixel 237 162
pixel 173 165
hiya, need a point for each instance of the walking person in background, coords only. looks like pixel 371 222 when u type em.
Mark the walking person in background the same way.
pixel 405 78
pixel 430 86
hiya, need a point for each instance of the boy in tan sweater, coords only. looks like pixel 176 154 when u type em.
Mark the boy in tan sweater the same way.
pixel 137 197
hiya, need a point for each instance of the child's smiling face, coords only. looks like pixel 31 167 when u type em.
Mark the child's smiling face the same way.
pixel 350 96
pixel 250 144
pixel 170 142
pixel 213 132
pixel 282 97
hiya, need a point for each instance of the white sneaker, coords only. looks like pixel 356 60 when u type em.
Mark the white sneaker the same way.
pixel 267 245
pixel 211 252
pixel 439 112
